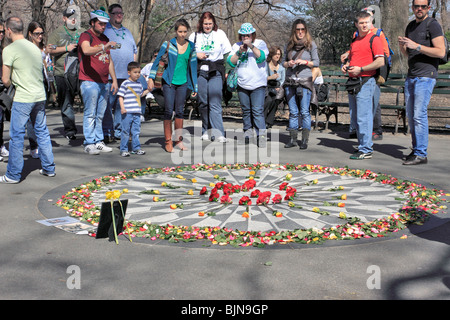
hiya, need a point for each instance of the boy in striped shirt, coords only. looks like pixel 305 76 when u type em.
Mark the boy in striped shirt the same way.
pixel 129 94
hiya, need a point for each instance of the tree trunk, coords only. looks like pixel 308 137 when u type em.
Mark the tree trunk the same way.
pixel 394 19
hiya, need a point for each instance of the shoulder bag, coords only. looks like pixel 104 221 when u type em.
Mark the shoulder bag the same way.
pixel 162 65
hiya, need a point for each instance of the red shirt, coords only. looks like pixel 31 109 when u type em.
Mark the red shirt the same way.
pixel 96 67
pixel 361 55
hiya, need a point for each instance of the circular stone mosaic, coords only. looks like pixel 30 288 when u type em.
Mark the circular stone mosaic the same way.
pixel 259 204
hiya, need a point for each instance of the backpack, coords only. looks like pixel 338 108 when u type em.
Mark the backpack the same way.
pixel 446 58
pixel 72 69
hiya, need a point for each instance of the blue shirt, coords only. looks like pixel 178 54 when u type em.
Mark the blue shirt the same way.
pixel 121 57
pixel 131 93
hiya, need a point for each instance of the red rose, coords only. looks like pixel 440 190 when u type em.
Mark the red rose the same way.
pixel 203 191
pixel 283 185
pixel 276 198
pixel 245 201
pixel 226 199
pixel 255 193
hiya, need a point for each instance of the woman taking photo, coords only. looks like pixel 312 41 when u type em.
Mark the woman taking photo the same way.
pixel 211 46
pixel 3 151
pixel 249 55
pixel 300 56
pixel 179 76
pixel 275 79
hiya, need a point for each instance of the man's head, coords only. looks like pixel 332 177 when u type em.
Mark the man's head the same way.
pixel 421 8
pixel 71 17
pixel 99 19
pixel 363 22
pixel 116 13
pixel 13 26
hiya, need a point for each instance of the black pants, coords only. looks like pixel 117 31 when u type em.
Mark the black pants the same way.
pixel 65 102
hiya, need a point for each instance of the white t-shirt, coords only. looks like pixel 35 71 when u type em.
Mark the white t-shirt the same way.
pixel 251 75
pixel 215 43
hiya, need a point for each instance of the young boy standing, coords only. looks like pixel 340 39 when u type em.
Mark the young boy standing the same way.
pixel 129 94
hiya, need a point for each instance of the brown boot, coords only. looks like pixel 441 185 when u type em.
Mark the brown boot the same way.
pixel 178 137
pixel 168 135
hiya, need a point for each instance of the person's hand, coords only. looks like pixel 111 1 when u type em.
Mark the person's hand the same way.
pixel 354 70
pixel 202 56
pixel 114 87
pixel 408 43
pixel 194 94
pixel 291 63
pixel 123 110
pixel 109 45
pixel 344 57
pixel 150 84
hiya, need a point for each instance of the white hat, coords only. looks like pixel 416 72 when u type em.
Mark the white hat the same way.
pixel 101 15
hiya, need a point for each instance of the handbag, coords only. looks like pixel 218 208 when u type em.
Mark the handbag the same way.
pixel 162 65
pixel 354 85
pixel 232 79
pixel 7 97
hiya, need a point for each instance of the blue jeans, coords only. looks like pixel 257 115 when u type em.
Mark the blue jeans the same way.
pixel 112 117
pixel 131 125
pixel 376 113
pixel 210 101
pixel 293 104
pixel 174 99
pixel 95 97
pixel 417 97
pixel 20 114
pixel 362 105
pixel 252 104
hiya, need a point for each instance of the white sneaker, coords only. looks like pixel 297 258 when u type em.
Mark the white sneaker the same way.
pixel 91 149
pixel 222 139
pixel 35 153
pixel 205 137
pixel 102 147
pixel 4 152
pixel 1 158
pixel 142 118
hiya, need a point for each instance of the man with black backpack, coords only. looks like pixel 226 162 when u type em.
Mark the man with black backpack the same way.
pixel 65 38
pixel 366 56
pixel 424 45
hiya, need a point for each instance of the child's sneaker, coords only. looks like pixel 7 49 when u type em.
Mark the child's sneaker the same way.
pixel 138 152
pixel 361 155
pixel 124 154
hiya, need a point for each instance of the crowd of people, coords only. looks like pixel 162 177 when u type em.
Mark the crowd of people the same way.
pixel 200 65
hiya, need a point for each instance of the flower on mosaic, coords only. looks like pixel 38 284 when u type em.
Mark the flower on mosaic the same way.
pixel 201 213
pixel 190 192
pixel 245 215
pixel 225 199
pixel 277 214
pixel 203 191
pixel 245 201
pixel 283 186
pixel 342 215
pixel 194 180
pixel 255 193
pixel 288 176
pixel 277 198
pixel 341 204
pixel 263 198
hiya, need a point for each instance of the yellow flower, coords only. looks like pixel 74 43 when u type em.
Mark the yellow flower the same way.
pixel 194 180
pixel 125 190
pixel 342 215
pixel 190 192
pixel 163 184
pixel 252 173
pixel 212 185
pixel 291 204
pixel 288 176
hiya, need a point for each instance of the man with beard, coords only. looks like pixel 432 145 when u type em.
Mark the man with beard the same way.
pixel 424 45
pixel 66 38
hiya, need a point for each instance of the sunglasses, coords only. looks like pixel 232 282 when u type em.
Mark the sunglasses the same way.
pixel 421 6
pixel 2 31
pixel 38 33
pixel 301 29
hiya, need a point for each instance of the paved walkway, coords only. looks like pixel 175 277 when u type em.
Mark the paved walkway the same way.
pixel 35 258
